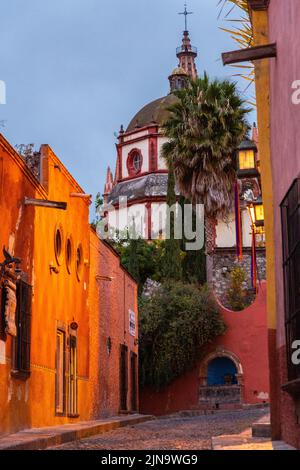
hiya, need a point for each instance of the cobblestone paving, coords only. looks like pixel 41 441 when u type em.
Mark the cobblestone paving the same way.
pixel 171 433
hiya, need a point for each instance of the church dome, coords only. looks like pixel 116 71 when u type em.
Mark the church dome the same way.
pixel 156 111
pixel 179 71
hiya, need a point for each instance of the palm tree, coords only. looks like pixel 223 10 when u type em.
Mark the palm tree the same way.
pixel 206 125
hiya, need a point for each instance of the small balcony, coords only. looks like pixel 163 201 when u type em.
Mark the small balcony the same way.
pixel 187 49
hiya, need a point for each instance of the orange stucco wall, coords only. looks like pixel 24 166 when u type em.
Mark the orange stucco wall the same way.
pixel 60 297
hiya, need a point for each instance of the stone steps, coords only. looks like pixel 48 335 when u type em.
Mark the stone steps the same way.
pixel 262 428
pixel 245 441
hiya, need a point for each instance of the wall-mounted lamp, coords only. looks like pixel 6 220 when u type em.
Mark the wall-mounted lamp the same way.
pixel 257 214
pixel 53 268
pixel 247 159
pixel 8 263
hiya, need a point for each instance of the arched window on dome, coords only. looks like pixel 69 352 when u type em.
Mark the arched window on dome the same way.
pixel 134 162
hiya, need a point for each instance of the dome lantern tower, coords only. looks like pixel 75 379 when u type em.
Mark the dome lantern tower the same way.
pixel 187 53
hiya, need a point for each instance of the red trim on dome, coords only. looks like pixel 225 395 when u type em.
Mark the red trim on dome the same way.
pixel 148 220
pixel 141 138
pixel 153 154
pixel 119 163
pixel 139 129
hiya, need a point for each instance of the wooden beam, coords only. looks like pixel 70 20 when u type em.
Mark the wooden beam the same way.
pixel 258 4
pixel 45 203
pixel 250 54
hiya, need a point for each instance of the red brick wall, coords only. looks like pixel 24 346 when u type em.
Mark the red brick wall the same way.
pixel 112 295
pixel 247 339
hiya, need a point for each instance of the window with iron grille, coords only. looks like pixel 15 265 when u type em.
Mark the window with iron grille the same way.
pixel 290 215
pixel 60 382
pixel 73 378
pixel 21 344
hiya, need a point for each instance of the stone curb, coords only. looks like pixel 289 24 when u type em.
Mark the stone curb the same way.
pixel 41 439
pixel 244 442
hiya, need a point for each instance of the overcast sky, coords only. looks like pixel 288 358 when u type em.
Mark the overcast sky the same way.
pixel 77 69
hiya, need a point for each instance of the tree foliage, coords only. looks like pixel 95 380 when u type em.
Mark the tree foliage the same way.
pixel 175 324
pixel 142 259
pixel 206 125
pixel 241 32
pixel 172 260
pixel 237 294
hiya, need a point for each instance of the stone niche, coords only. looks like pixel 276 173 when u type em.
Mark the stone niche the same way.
pixel 225 260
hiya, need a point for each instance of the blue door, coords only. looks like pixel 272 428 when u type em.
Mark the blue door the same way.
pixel 221 371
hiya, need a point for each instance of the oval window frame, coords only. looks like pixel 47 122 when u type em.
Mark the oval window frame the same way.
pixel 79 268
pixel 69 259
pixel 58 253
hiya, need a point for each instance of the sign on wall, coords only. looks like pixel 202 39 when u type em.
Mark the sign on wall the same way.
pixel 132 323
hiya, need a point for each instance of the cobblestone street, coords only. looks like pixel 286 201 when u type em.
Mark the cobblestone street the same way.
pixel 171 433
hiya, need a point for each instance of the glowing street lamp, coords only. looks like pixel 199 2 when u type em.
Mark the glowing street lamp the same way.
pixel 252 214
pixel 247 159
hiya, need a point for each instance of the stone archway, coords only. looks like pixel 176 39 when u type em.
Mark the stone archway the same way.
pixel 214 395
pixel 214 355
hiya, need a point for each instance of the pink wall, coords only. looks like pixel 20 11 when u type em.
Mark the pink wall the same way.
pixel 285 121
pixel 246 338
pixel 285 149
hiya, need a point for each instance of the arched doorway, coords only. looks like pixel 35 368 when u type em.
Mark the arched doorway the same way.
pixel 221 371
pixel 221 380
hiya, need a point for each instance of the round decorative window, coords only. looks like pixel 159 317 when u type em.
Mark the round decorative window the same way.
pixel 69 254
pixel 137 162
pixel 134 162
pixel 79 262
pixel 58 244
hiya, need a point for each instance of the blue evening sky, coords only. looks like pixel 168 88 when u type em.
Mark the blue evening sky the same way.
pixel 77 69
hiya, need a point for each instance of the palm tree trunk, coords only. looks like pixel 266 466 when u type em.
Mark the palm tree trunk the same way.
pixel 210 245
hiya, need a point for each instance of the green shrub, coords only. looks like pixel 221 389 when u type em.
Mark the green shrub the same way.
pixel 175 324
pixel 237 295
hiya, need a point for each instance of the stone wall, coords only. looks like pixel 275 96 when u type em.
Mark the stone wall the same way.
pixel 225 260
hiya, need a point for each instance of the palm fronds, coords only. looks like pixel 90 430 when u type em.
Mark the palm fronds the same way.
pixel 242 34
pixel 205 127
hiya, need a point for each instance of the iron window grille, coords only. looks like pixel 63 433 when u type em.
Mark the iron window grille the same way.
pixel 290 217
pixel 21 344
